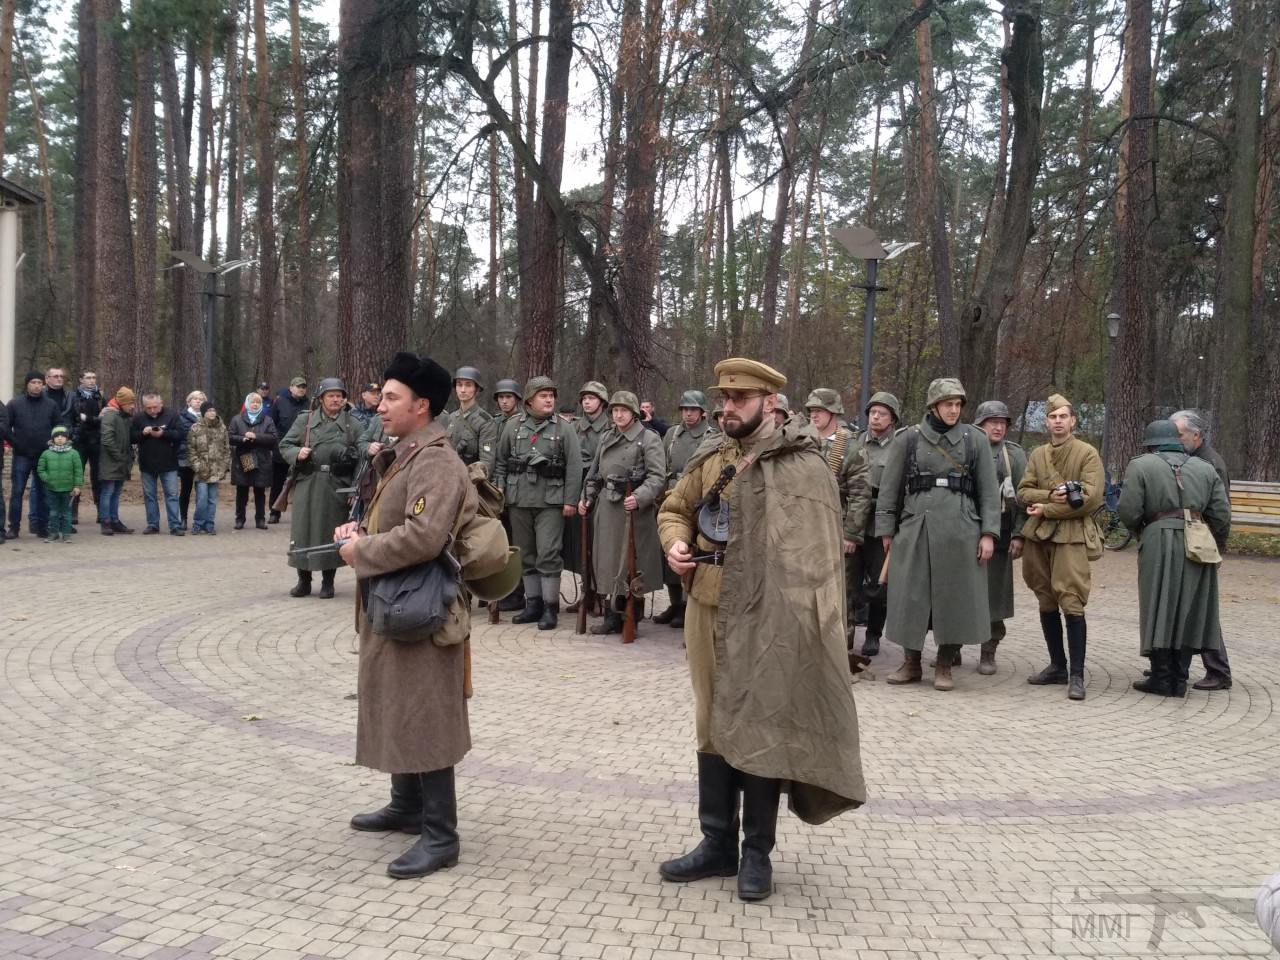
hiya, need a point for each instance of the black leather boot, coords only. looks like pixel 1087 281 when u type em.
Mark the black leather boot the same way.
pixel 717 854
pixel 1056 672
pixel 675 610
pixel 437 848
pixel 532 611
pixel 1181 664
pixel 403 813
pixel 303 587
pixel 1162 681
pixel 326 584
pixel 1077 632
pixel 513 600
pixel 759 833
pixel 612 623
pixel 550 618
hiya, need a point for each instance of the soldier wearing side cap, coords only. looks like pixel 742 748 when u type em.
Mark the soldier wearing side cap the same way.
pixel 992 417
pixel 506 394
pixel 472 429
pixel 848 462
pixel 883 413
pixel 628 474
pixel 938 513
pixel 681 442
pixel 764 631
pixel 591 426
pixel 539 469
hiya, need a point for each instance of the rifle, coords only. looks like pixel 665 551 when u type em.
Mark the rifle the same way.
pixel 629 624
pixel 584 558
pixel 317 549
pixel 281 503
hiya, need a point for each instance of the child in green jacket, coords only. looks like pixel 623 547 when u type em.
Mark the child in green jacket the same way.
pixel 62 472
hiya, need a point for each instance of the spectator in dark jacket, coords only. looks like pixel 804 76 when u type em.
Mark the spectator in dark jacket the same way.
pixel 186 477
pixel 253 441
pixel 84 416
pixel 650 420
pixel 116 458
pixel 158 435
pixel 55 388
pixel 289 404
pixel 32 417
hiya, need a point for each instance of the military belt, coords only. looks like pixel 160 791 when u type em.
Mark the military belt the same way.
pixel 713 559
pixel 324 468
pixel 1173 514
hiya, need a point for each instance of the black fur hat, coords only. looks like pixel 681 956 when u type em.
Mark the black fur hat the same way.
pixel 423 376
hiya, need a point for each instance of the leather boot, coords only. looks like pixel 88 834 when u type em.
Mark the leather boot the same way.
pixel 1056 671
pixel 106 530
pixel 303 587
pixel 1181 664
pixel 550 603
pixel 759 833
pixel 119 527
pixel 513 600
pixel 437 848
pixel 612 623
pixel 1162 679
pixel 942 670
pixel 870 646
pixel 676 608
pixel 717 854
pixel 532 602
pixel 326 584
pixel 1077 632
pixel 403 813
pixel 987 660
pixel 910 671
pixel 956 660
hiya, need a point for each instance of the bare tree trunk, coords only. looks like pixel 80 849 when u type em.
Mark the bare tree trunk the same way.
pixel 144 188
pixel 525 215
pixel 869 213
pixel 6 68
pixel 995 204
pixel 375 182
pixel 597 317
pixel 268 268
pixel 46 183
pixel 733 307
pixel 204 143
pixel 1264 382
pixel 935 203
pixel 299 328
pixel 800 241
pixel 84 257
pixel 228 330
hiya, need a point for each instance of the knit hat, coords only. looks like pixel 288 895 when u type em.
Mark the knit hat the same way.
pixel 206 407
pixel 124 395
pixel 59 431
pixel 34 375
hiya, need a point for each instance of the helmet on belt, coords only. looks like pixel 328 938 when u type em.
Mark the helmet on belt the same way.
pixel 824 398
pixel 991 410
pixel 469 373
pixel 507 386
pixel 783 404
pixel 694 399
pixel 1160 432
pixel 887 400
pixel 596 389
pixel 534 384
pixel 627 399
pixel 945 388
pixel 497 585
pixel 329 384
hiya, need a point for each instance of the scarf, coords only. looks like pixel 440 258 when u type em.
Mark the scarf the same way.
pixel 938 424
pixel 249 414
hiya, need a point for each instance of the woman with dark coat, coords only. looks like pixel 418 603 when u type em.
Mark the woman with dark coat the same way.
pixel 253 440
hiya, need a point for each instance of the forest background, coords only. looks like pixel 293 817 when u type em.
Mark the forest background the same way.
pixel 629 190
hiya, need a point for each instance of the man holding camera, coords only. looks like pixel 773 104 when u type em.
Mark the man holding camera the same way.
pixel 1062 487
pixel 539 469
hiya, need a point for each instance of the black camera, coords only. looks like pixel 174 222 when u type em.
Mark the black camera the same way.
pixel 1075 494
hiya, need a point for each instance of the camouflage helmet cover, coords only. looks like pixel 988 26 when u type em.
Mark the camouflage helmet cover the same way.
pixel 888 400
pixel 991 410
pixel 469 373
pixel 694 398
pixel 824 398
pixel 945 388
pixel 626 399
pixel 783 404
pixel 596 389
pixel 507 386
pixel 534 384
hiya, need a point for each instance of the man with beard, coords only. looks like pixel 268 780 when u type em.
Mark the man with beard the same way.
pixel 764 632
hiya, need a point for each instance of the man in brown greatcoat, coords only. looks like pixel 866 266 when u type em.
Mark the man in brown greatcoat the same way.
pixel 412 720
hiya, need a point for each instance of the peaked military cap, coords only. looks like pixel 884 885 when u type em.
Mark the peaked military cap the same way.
pixel 739 373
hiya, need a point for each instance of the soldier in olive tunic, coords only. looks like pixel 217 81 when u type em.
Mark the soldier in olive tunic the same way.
pixel 591 426
pixel 1177 597
pixel 629 457
pixel 539 469
pixel 993 418
pixel 883 414
pixel 680 443
pixel 472 429
pixel 939 513
pixel 506 393
pixel 324 461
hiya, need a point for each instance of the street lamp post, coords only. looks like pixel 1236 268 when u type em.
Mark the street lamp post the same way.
pixel 1113 334
pixel 863 243
pixel 211 274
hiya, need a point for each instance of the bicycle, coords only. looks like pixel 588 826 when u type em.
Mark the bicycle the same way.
pixel 1115 535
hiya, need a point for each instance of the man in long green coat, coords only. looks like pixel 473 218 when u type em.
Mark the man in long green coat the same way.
pixel 320 449
pixel 883 415
pixel 506 394
pixel 939 513
pixel 629 458
pixel 591 427
pixel 764 631
pixel 1177 597
pixel 992 417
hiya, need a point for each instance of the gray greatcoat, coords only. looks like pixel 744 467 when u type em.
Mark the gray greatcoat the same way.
pixel 1177 599
pixel 412 710
pixel 680 444
pixel 640 450
pixel 935 580
pixel 317 506
pixel 1000 568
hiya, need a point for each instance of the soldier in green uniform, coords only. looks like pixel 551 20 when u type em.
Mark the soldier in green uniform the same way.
pixel 680 443
pixel 782 411
pixel 323 457
pixel 506 393
pixel 848 462
pixel 539 469
pixel 590 427
pixel 883 414
pixel 629 457
pixel 1177 597
pixel 939 512
pixel 472 429
pixel 993 418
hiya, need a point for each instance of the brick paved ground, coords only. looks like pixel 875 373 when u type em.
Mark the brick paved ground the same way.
pixel 177 742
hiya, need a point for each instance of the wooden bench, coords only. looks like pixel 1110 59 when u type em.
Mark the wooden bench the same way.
pixel 1255 507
